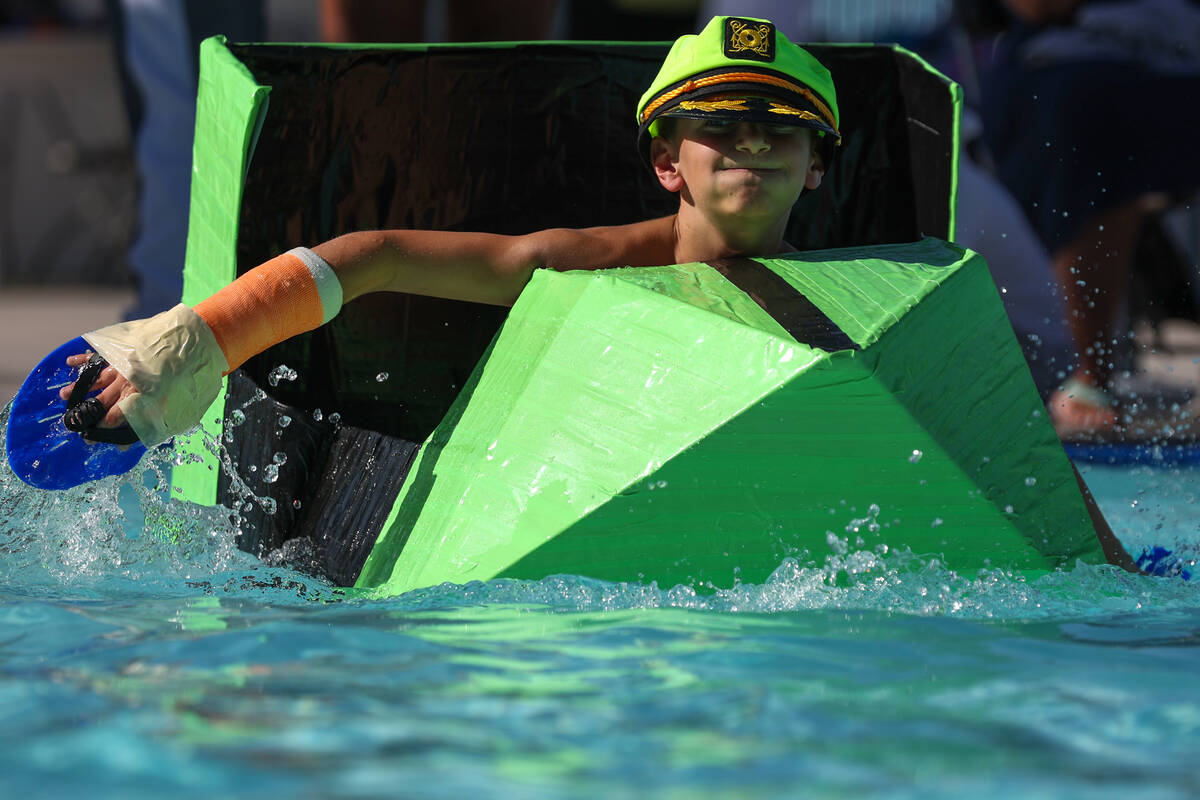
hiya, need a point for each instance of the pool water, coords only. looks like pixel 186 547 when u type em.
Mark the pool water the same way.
pixel 143 655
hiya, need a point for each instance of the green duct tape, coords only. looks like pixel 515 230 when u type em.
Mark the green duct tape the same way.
pixel 866 290
pixel 230 107
pixel 626 434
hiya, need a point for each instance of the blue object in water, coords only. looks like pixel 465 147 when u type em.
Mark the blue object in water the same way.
pixel 1153 454
pixel 41 451
pixel 1158 560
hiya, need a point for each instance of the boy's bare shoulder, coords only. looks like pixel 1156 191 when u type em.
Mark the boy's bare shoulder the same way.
pixel 638 244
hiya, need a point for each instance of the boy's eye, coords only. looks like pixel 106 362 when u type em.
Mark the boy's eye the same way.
pixel 718 126
pixel 781 130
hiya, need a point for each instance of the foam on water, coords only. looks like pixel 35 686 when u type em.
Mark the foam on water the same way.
pixel 124 534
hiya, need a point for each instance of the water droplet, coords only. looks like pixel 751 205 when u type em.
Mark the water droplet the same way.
pixel 296 504
pixel 317 415
pixel 937 522
pixel 284 420
pixel 270 473
pixel 1031 481
pixel 335 418
pixel 915 457
pixel 236 417
pixel 381 377
pixel 280 458
pixel 281 373
pixel 268 504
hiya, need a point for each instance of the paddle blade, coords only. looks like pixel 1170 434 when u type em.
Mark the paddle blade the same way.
pixel 41 451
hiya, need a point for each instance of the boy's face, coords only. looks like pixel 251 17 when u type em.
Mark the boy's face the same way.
pixel 739 171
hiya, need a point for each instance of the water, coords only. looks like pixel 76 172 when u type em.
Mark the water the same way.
pixel 143 655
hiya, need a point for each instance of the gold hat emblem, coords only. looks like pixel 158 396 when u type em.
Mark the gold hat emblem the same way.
pixel 709 106
pixel 745 36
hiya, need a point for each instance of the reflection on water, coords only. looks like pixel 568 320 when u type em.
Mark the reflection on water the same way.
pixel 141 654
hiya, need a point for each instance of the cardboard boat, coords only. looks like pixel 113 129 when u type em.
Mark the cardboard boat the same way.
pixel 689 423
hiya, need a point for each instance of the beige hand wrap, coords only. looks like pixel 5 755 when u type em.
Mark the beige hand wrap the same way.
pixel 176 359
pixel 174 362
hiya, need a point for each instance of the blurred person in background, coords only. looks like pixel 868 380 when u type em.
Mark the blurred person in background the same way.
pixel 1090 110
pixel 157 43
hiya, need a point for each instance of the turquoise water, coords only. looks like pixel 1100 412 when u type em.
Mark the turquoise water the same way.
pixel 143 655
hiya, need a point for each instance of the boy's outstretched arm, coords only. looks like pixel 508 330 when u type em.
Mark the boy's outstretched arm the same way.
pixel 187 350
pixel 486 267
pixel 480 267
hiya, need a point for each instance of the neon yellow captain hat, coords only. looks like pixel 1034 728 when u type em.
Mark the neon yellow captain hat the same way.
pixel 740 69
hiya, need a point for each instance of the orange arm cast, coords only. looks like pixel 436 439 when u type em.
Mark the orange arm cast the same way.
pixel 270 303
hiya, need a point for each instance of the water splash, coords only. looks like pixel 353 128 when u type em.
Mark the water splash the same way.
pixel 896 583
pixel 125 535
pixel 121 535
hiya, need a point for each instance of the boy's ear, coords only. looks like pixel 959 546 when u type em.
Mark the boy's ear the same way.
pixel 665 158
pixel 816 171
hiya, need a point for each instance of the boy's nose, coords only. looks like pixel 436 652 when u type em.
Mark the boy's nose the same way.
pixel 751 138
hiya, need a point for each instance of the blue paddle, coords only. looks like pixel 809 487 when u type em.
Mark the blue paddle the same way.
pixel 42 451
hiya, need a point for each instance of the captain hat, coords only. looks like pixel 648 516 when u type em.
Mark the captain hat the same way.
pixel 740 69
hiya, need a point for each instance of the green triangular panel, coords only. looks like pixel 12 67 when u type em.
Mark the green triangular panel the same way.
pixel 654 425
pixel 952 449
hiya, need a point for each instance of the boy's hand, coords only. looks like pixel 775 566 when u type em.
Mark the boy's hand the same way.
pixel 113 388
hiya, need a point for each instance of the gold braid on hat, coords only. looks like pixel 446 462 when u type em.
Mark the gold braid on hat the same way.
pixel 740 77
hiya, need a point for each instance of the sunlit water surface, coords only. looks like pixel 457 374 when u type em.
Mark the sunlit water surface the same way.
pixel 143 655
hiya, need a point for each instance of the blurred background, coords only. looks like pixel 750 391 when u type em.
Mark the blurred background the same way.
pixel 69 184
pixel 96 99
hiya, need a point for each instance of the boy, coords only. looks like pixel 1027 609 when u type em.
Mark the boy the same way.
pixel 739 121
